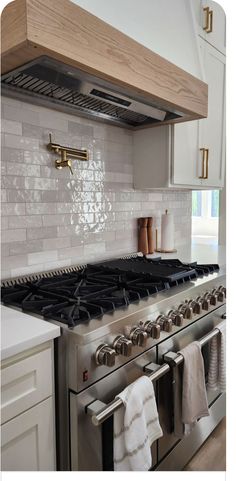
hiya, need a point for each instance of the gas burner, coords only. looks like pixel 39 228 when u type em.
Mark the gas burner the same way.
pixel 76 297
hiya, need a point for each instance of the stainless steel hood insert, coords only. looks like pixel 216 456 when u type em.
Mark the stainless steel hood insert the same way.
pixel 46 81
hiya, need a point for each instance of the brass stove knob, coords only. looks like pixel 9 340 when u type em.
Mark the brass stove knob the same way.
pixel 105 355
pixel 165 323
pixel 123 346
pixel 205 302
pixel 186 310
pixel 138 337
pixel 196 306
pixel 176 317
pixel 153 329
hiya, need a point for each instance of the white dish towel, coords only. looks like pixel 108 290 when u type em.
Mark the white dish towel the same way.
pixel 194 396
pixel 136 427
pixel 217 361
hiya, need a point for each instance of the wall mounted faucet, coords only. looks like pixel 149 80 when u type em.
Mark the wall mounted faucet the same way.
pixel 79 154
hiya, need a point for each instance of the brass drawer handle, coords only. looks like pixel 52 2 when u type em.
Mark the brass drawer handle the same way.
pixel 205 162
pixel 209 20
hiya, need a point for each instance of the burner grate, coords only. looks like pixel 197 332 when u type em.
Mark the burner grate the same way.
pixel 81 293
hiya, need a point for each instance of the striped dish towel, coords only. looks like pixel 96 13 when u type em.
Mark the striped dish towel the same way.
pixel 217 362
pixel 136 427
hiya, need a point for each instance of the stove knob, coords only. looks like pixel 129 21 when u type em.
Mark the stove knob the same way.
pixel 176 317
pixel 196 306
pixel 123 346
pixel 220 294
pixel 186 310
pixel 222 289
pixel 105 355
pixel 165 323
pixel 138 336
pixel 204 302
pixel 211 297
pixel 153 329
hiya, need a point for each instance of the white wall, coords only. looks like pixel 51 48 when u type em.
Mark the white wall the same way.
pixel 148 22
pixel 222 217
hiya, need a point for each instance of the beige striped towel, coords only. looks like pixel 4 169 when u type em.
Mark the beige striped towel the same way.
pixel 194 396
pixel 217 361
pixel 136 427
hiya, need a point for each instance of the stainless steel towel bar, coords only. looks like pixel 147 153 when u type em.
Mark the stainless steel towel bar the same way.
pixel 109 409
pixel 99 411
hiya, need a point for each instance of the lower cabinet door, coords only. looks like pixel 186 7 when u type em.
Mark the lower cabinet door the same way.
pixel 28 441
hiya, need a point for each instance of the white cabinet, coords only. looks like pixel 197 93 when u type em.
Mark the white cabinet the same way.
pixel 27 440
pixel 188 160
pixel 211 24
pixel 27 411
pixel 24 383
pixel 166 157
pixel 213 127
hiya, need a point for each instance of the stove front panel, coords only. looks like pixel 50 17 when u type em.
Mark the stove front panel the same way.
pixel 83 370
pixel 92 446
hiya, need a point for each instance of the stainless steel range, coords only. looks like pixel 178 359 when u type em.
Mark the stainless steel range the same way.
pixel 120 319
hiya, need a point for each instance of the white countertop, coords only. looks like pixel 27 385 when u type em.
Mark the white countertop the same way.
pixel 202 253
pixel 21 331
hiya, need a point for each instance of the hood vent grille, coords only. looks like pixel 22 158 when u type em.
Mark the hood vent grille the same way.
pixel 49 82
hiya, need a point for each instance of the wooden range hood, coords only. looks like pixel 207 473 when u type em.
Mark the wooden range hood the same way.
pixel 58 38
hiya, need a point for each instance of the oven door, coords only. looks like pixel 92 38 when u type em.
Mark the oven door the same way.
pixel 92 446
pixel 170 386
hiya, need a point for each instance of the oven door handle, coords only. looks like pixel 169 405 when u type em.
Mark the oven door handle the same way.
pixel 174 359
pixel 100 411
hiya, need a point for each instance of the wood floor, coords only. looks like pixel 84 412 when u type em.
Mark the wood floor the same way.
pixel 212 454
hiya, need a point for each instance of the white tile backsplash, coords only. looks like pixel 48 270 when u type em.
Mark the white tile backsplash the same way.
pixel 54 219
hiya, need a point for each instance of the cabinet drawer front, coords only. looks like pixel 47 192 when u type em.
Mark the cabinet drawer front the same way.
pixel 28 441
pixel 26 383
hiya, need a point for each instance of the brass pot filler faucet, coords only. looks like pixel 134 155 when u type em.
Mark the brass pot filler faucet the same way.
pixel 80 154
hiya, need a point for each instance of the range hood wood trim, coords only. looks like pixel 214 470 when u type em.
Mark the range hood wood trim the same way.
pixel 64 31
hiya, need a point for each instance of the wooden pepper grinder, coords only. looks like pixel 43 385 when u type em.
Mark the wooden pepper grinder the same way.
pixel 150 235
pixel 142 235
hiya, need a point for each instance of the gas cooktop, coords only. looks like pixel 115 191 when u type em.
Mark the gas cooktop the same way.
pixel 90 292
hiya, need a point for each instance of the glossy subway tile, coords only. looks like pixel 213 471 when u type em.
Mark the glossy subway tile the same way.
pixel 52 218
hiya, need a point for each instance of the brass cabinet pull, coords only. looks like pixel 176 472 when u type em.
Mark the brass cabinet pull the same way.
pixel 209 20
pixel 205 162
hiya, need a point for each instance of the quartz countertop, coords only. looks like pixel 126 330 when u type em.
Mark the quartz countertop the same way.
pixel 21 331
pixel 202 253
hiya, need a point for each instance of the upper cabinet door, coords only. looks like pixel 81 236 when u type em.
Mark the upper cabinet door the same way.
pixel 211 22
pixel 212 129
pixel 185 154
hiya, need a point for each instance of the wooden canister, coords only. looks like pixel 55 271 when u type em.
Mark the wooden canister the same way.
pixel 150 235
pixel 142 235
